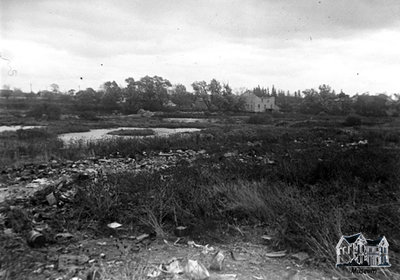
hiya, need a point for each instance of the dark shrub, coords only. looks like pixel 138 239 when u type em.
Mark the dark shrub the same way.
pixel 88 115
pixel 46 111
pixel 352 121
pixel 36 133
pixel 260 119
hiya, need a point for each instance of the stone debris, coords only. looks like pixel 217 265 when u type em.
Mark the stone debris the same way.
pixel 301 256
pixel 217 261
pixel 205 249
pixel 155 272
pixel 226 277
pixel 174 266
pixel 55 184
pixel 181 231
pixel 66 261
pixel 266 237
pixel 35 239
pixel 142 237
pixel 51 199
pixel 60 237
pixel 114 225
pixel 195 270
pixel 278 254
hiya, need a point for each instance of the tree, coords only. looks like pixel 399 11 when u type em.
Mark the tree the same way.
pixel 133 98
pixel 214 87
pixel 48 111
pixel 6 91
pixel 216 98
pixel 369 105
pixel 200 91
pixel 112 96
pixel 311 102
pixel 71 92
pixel 261 92
pixel 273 91
pixel 87 99
pixel 181 97
pixel 55 88
pixel 345 103
pixel 153 92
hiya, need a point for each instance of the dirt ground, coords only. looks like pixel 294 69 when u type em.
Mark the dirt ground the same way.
pixel 130 257
pixel 84 255
pixel 126 258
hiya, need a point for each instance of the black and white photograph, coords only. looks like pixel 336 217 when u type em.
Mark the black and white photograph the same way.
pixel 199 139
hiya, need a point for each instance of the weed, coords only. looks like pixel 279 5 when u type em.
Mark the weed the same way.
pixel 263 118
pixel 352 121
pixel 132 132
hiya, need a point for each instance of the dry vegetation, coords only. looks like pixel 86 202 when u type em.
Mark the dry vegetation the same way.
pixel 307 184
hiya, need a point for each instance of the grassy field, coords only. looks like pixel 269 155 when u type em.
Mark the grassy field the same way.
pixel 306 180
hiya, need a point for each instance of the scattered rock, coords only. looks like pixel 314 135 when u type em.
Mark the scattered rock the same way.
pixel 60 237
pixel 278 254
pixel 93 274
pixel 217 261
pixel 35 239
pixel 174 266
pixel 301 256
pixel 114 225
pixel 51 199
pixel 225 277
pixel 142 237
pixel 181 231
pixel 266 237
pixel 155 272
pixel 67 261
pixel 17 219
pixel 194 270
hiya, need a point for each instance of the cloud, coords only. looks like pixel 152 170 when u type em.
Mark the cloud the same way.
pixel 294 44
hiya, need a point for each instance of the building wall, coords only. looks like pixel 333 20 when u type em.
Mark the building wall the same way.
pixel 257 104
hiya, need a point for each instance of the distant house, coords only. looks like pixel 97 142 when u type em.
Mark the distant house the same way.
pixel 253 103
pixel 356 250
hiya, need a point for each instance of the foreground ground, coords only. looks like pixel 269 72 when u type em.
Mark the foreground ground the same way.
pixel 247 190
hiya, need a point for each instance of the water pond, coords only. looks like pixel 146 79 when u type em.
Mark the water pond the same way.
pixel 190 120
pixel 17 127
pixel 96 134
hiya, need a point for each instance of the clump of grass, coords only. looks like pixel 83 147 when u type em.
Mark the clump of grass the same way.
pixel 132 132
pixel 33 134
pixel 131 268
pixel 307 206
pixel 29 145
pixel 263 118
pixel 352 121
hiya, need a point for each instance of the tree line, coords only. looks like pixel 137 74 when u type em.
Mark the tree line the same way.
pixel 158 94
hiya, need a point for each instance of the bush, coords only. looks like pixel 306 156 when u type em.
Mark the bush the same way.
pixel 260 119
pixel 88 115
pixel 30 134
pixel 45 111
pixel 352 121
pixel 132 132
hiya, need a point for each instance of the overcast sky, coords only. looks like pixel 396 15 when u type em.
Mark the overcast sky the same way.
pixel 352 45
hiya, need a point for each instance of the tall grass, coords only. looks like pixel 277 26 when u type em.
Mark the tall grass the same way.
pixel 307 207
pixel 316 185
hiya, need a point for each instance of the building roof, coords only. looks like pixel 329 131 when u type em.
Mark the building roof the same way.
pixel 352 238
pixel 374 242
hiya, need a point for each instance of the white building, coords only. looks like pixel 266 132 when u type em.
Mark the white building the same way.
pixel 356 250
pixel 259 104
